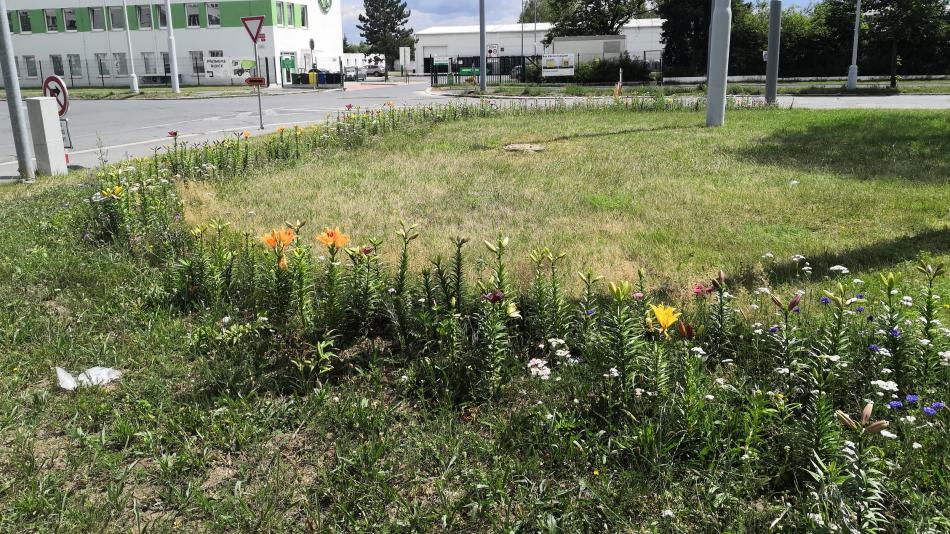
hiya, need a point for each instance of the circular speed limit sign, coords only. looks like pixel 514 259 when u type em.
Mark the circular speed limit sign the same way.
pixel 55 87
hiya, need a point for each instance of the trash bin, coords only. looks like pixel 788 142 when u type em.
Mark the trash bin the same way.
pixel 313 78
pixel 322 77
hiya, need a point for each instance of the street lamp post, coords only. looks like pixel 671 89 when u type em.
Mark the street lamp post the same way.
pixel 24 150
pixel 172 54
pixel 719 37
pixel 775 39
pixel 483 58
pixel 853 69
pixel 133 79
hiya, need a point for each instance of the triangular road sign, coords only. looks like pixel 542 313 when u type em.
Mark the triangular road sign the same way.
pixel 253 25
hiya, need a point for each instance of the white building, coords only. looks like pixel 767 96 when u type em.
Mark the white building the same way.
pixel 642 39
pixel 84 41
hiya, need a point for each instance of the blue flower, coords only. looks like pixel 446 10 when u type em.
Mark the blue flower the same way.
pixel 930 411
pixel 938 405
pixel 874 348
pixel 825 300
pixel 797 310
pixel 895 404
pixel 895 332
pixel 870 318
pixel 859 309
pixel 773 330
pixel 590 312
pixel 859 295
pixel 912 398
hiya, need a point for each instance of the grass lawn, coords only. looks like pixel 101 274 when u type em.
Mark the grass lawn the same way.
pixel 217 424
pixel 616 192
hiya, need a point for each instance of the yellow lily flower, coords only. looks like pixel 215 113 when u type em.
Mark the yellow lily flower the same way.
pixel 665 315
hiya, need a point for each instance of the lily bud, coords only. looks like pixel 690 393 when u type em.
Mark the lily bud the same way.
pixel 722 278
pixel 777 302
pixel 866 413
pixel 876 427
pixel 792 304
pixel 846 420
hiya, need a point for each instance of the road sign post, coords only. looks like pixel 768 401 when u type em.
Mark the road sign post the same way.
pixel 253 25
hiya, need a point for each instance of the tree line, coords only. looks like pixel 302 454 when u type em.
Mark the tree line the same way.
pixel 897 36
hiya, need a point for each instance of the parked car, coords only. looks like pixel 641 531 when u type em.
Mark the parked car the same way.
pixel 375 70
pixel 355 74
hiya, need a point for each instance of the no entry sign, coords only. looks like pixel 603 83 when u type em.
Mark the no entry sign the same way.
pixel 55 87
pixel 253 26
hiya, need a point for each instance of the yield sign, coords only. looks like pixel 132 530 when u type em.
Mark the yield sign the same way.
pixel 253 26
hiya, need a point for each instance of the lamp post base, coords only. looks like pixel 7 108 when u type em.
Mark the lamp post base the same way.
pixel 852 77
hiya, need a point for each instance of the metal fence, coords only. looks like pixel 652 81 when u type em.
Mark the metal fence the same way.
pixel 461 70
pixel 108 71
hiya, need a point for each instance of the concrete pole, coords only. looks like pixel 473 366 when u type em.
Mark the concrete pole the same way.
pixel 853 69
pixel 133 79
pixel 24 150
pixel 172 54
pixel 719 36
pixel 775 41
pixel 483 64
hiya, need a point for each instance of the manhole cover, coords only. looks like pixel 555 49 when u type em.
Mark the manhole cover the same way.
pixel 524 147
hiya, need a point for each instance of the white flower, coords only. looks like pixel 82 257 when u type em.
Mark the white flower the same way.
pixel 907 300
pixel 768 256
pixel 667 513
pixel 783 370
pixel 763 291
pixel 925 342
pixel 710 397
pixel 793 183
pixel 806 269
pixel 562 353
pixel 888 434
pixel 539 368
pixel 909 419
pixel 797 258
pixel 857 281
pixel 555 342
pixel 888 385
pixel 721 381
pixel 612 373
pixel 841 269
pixel 698 351
pixel 917 445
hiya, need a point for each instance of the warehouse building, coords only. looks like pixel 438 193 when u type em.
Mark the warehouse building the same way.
pixel 85 42
pixel 641 38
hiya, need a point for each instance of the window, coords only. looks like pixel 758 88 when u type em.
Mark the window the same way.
pixel 290 15
pixel 75 64
pixel 191 15
pixel 304 22
pixel 215 53
pixel 102 61
pixel 144 14
pixel 166 65
pixel 197 61
pixel 162 17
pixel 117 18
pixel 10 21
pixel 214 14
pixel 280 13
pixel 148 62
pixel 25 25
pixel 121 64
pixel 57 61
pixel 50 15
pixel 97 19
pixel 30 62
pixel 69 19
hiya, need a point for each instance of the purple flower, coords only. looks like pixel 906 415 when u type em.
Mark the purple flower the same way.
pixel 797 310
pixel 874 348
pixel 912 398
pixel 895 404
pixel 859 309
pixel 773 330
pixel 825 300
pixel 938 405
pixel 495 296
pixel 870 318
pixel 895 332
pixel 859 295
pixel 590 312
pixel 930 411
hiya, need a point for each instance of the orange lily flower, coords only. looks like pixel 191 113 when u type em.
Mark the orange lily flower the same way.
pixel 333 237
pixel 279 238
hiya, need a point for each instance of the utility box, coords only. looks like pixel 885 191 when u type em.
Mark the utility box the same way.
pixel 47 135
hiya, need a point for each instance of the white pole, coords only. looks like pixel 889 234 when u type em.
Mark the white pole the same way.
pixel 775 40
pixel 483 57
pixel 24 150
pixel 853 69
pixel 133 79
pixel 719 36
pixel 172 54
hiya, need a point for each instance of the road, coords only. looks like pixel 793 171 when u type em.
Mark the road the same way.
pixel 114 130
pixel 117 129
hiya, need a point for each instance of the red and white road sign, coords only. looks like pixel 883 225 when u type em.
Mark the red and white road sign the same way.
pixel 55 87
pixel 254 25
pixel 256 82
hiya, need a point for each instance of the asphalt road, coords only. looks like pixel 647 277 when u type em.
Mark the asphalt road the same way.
pixel 114 130
pixel 118 129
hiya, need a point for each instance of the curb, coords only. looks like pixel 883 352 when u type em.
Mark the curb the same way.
pixel 206 97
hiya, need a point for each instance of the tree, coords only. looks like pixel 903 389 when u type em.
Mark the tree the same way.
pixel 593 17
pixel 908 24
pixel 383 27
pixel 350 48
pixel 537 8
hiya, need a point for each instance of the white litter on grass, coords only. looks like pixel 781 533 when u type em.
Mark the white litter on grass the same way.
pixel 94 376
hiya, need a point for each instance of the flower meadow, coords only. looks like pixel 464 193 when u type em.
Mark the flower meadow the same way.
pixel 815 403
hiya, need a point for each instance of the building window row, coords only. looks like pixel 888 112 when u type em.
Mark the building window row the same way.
pixel 145 15
pixel 106 65
pixel 287 14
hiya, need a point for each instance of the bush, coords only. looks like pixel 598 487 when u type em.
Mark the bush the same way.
pixel 608 70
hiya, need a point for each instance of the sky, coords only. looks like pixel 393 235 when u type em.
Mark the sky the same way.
pixel 426 13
